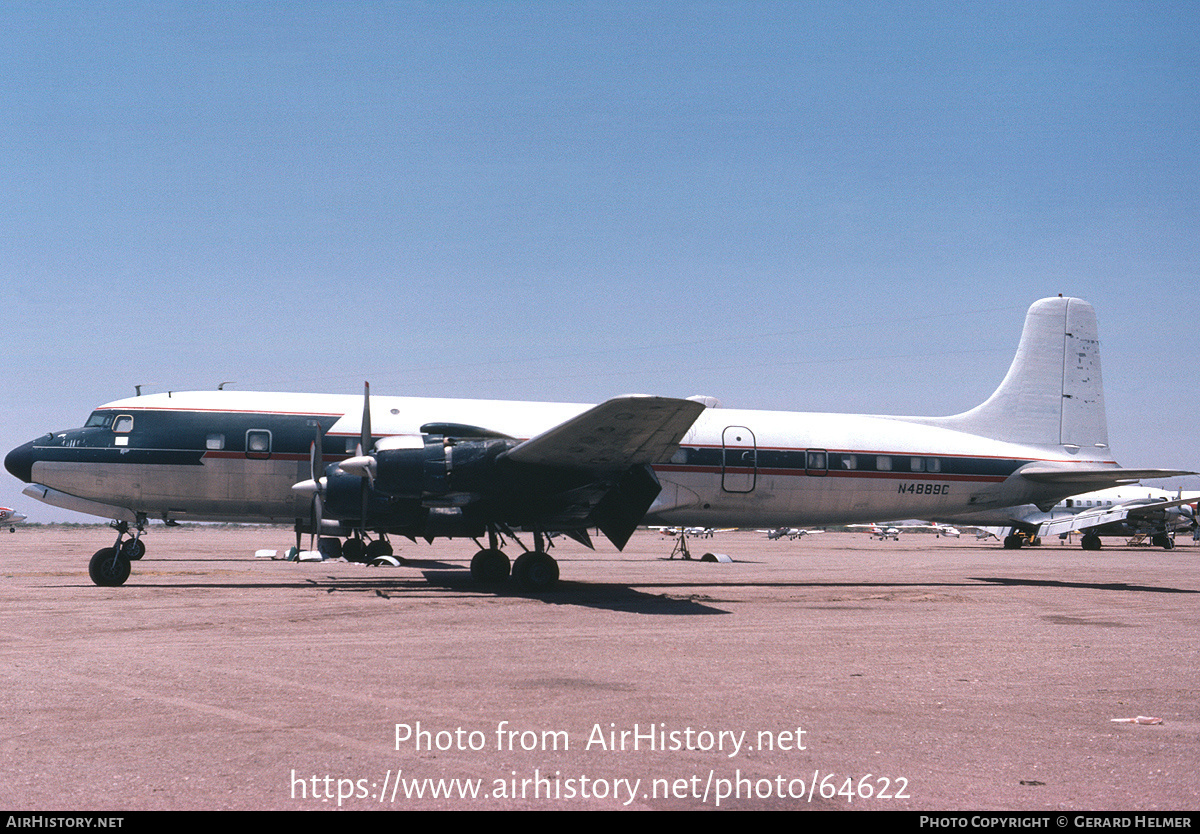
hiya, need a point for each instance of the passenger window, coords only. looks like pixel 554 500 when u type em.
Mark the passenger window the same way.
pixel 883 463
pixel 215 442
pixel 849 462
pixel 916 465
pixel 933 464
pixel 258 442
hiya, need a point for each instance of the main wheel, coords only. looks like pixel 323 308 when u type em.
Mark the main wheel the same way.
pixel 353 550
pixel 535 571
pixel 1090 541
pixel 489 566
pixel 377 548
pixel 108 568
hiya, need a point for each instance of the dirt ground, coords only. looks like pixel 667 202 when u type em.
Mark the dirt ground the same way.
pixel 833 671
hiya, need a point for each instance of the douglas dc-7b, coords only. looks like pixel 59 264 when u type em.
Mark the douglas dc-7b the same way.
pixel 364 468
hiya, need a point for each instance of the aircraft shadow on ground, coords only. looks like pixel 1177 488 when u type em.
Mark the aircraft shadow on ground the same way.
pixel 669 598
pixel 1096 586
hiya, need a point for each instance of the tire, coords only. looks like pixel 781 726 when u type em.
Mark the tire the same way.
pixel 377 548
pixel 535 571
pixel 107 569
pixel 353 550
pixel 489 566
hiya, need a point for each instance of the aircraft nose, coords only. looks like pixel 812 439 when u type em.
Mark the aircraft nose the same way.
pixel 20 462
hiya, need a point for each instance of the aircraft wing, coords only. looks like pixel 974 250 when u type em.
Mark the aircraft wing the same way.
pixel 618 433
pixel 613 445
pixel 1090 478
pixel 1099 516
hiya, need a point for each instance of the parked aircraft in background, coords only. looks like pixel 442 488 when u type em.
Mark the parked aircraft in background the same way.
pixel 10 518
pixel 1129 511
pixel 789 533
pixel 366 468
pixel 878 531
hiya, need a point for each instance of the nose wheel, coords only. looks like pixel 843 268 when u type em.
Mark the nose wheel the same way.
pixel 110 566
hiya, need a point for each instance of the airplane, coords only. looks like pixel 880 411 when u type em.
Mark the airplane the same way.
pixel 790 532
pixel 893 531
pixel 10 518
pixel 1126 511
pixel 882 532
pixel 365 469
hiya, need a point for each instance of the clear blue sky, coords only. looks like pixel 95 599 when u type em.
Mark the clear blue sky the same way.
pixel 831 206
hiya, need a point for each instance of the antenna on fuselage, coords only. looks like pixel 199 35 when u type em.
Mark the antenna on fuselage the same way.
pixel 138 388
pixel 221 387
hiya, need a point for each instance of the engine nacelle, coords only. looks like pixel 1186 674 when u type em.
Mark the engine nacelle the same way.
pixel 443 467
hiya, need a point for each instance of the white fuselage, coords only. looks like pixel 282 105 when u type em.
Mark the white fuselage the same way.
pixel 733 468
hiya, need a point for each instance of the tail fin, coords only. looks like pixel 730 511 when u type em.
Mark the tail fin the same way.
pixel 1053 394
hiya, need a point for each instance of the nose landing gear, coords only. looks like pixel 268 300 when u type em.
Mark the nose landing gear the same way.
pixel 110 566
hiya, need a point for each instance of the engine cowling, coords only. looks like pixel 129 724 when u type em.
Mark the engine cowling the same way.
pixel 442 468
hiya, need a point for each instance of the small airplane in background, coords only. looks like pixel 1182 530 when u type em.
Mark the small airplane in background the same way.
pixel 10 518
pixel 883 532
pixel 363 469
pixel 791 533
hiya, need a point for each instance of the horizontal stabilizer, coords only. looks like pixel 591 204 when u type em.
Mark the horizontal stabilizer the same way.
pixel 618 433
pixel 1089 478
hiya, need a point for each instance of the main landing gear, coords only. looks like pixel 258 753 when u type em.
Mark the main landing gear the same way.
pixel 359 549
pixel 534 570
pixel 110 566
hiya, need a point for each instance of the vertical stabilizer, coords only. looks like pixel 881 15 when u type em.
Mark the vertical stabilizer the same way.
pixel 1053 393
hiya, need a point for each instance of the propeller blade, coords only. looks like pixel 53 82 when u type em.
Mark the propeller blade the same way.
pixel 365 448
pixel 364 443
pixel 315 510
pixel 315 456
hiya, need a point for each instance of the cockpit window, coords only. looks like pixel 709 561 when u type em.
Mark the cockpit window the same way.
pixel 98 420
pixel 123 423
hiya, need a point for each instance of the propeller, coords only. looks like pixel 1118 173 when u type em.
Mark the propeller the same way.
pixel 363 462
pixel 313 486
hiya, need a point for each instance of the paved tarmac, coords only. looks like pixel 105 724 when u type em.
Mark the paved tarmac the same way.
pixel 830 672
